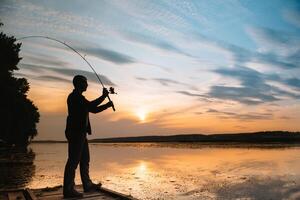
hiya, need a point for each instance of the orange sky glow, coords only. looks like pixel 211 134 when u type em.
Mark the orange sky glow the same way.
pixel 179 67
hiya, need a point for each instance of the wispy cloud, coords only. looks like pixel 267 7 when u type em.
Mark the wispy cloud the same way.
pixel 201 97
pixel 44 78
pixel 276 42
pixel 70 73
pixel 253 89
pixel 109 55
pixel 155 42
pixel 294 82
pixel 245 95
pixel 28 17
pixel 242 117
pixel 45 60
pixel 293 16
pixel 191 94
pixel 53 78
pixel 163 81
pixel 276 48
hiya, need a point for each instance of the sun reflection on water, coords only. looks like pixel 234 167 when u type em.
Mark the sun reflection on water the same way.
pixel 141 171
pixel 141 168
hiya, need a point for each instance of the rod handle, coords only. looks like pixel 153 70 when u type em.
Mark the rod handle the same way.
pixel 113 106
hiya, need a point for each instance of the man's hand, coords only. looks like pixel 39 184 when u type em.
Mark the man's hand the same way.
pixel 109 104
pixel 105 92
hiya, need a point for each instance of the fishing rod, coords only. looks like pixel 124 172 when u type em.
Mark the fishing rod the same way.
pixel 111 89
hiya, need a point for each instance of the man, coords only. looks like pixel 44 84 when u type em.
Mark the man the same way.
pixel 78 125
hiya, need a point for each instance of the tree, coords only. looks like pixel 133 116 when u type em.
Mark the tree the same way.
pixel 19 114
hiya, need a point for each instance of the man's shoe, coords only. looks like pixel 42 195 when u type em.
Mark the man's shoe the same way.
pixel 93 187
pixel 73 194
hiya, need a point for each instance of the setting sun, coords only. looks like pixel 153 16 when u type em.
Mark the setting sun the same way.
pixel 141 114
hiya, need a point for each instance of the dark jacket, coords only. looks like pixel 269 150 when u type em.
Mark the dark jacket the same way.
pixel 78 113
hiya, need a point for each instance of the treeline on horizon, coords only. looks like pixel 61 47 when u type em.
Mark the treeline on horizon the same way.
pixel 255 137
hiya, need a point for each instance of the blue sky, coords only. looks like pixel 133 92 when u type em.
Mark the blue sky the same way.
pixel 178 66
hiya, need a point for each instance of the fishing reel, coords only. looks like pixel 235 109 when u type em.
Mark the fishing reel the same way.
pixel 112 90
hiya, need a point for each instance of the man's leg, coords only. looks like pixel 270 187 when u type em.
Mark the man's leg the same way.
pixel 74 155
pixel 84 165
pixel 88 185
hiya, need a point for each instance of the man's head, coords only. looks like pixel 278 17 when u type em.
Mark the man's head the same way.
pixel 80 83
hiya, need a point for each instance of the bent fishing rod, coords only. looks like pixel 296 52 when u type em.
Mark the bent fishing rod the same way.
pixel 111 89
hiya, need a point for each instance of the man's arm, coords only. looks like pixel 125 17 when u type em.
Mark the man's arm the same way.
pixel 99 100
pixel 96 102
pixel 101 108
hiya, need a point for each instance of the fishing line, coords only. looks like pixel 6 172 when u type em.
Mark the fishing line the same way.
pixel 56 40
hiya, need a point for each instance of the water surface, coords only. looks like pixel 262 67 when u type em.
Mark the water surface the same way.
pixel 179 171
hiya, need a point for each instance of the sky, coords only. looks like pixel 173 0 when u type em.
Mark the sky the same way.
pixel 179 67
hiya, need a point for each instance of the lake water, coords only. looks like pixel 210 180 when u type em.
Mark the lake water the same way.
pixel 172 171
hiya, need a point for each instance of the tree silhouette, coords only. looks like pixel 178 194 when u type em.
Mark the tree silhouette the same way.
pixel 19 114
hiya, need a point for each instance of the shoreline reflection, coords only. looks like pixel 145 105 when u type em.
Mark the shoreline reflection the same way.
pixel 17 167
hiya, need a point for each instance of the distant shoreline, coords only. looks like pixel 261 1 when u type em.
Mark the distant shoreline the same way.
pixel 279 137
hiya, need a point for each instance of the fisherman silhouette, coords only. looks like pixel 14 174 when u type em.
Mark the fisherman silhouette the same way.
pixel 78 125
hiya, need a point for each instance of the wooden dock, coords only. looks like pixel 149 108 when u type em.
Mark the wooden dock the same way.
pixel 55 193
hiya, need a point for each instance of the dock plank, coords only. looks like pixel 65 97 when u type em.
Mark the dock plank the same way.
pixel 3 196
pixel 56 193
pixel 16 195
pixel 86 196
pixel 29 194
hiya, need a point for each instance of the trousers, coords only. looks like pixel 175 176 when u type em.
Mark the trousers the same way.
pixel 78 153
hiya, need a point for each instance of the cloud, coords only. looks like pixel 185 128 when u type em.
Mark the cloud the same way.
pixel 277 42
pixel 273 60
pixel 45 60
pixel 201 97
pixel 53 78
pixel 295 82
pixel 243 117
pixel 246 75
pixel 191 94
pixel 166 82
pixel 292 16
pixel 279 51
pixel 154 42
pixel 141 79
pixel 44 78
pixel 70 73
pixel 245 95
pixel 109 55
pixel 84 47
pixel 28 17
pixel 242 56
pixel 274 50
pixel 253 89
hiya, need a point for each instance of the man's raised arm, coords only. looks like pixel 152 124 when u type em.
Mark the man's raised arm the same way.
pixel 93 104
pixel 101 108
